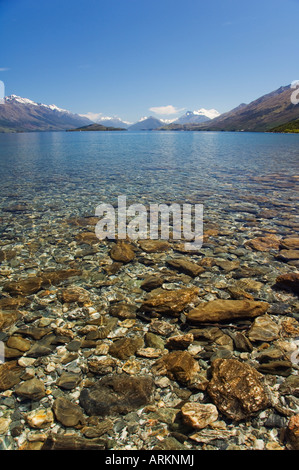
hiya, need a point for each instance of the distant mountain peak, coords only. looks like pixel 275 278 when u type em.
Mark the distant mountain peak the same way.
pixel 197 116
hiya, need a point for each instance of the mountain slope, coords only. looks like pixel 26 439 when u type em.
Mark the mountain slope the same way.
pixel 146 124
pixel 268 111
pixel 291 127
pixel 24 115
pixel 261 115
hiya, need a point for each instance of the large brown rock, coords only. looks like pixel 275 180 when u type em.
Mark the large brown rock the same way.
pixel 8 319
pixel 292 433
pixel 119 393
pixel 177 365
pixel 199 415
pixel 270 242
pixel 123 348
pixel 185 266
pixel 221 310
pixel 33 284
pixel 123 252
pixel 33 389
pixel 236 389
pixel 154 246
pixel 69 414
pixel 10 373
pixel 288 281
pixel 291 243
pixel 170 302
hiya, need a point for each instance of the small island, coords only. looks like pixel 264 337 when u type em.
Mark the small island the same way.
pixel 96 127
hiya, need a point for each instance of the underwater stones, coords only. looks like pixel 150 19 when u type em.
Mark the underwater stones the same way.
pixel 74 294
pixel 177 365
pixel 179 341
pixel 291 243
pixel 185 266
pixel 68 380
pixel 151 282
pixel 72 442
pixel 10 373
pixel 67 413
pixel 119 393
pixel 170 302
pixel 32 285
pixel 288 281
pixel 40 418
pixel 8 319
pixel 220 309
pixel 122 310
pixel 198 415
pixel 33 389
pixel 236 389
pixel 123 348
pixel 292 433
pixel 270 242
pixel 288 255
pixel 154 246
pixel 122 252
pixel 88 238
pixel 263 329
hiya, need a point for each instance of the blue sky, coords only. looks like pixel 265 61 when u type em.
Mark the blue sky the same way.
pixel 124 57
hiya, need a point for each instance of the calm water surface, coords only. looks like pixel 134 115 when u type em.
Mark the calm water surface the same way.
pixel 63 174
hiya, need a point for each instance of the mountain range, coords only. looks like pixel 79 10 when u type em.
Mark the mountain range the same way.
pixel 261 115
pixel 24 115
pixel 273 112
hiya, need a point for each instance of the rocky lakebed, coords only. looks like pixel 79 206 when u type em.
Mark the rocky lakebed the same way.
pixel 142 345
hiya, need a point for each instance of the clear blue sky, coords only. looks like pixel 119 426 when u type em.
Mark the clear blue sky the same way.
pixel 123 57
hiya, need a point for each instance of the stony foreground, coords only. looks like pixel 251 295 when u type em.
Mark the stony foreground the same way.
pixel 141 345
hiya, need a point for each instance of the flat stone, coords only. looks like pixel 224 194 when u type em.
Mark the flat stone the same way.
pixel 123 348
pixel 292 433
pixel 116 394
pixel 263 329
pixel 288 281
pixel 151 282
pixel 69 414
pixel 73 442
pixel 290 243
pixel 123 310
pixel 7 319
pixel 283 367
pixel 154 246
pixel 270 242
pixel 290 386
pixel 198 415
pixel 10 373
pixel 34 389
pixel 40 418
pixel 102 365
pixel 122 252
pixel 236 389
pixel 177 365
pixel 74 294
pixel 68 380
pixel 289 255
pixel 179 341
pixel 185 266
pixel 88 238
pixel 221 310
pixel 170 302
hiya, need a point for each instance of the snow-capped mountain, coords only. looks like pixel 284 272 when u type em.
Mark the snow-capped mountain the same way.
pixel 196 117
pixel 146 124
pixel 19 114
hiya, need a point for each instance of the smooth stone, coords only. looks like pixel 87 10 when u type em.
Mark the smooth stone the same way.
pixel 263 329
pixel 289 255
pixel 288 281
pixel 151 282
pixel 283 367
pixel 170 302
pixel 198 415
pixel 270 242
pixel 180 341
pixel 154 246
pixel 185 266
pixel 221 310
pixel 10 373
pixel 8 319
pixel 123 348
pixel 74 294
pixel 73 442
pixel 40 418
pixel 102 365
pixel 34 389
pixel 122 310
pixel 292 433
pixel 236 389
pixel 68 380
pixel 69 414
pixel 122 252
pixel 177 365
pixel 290 243
pixel 117 394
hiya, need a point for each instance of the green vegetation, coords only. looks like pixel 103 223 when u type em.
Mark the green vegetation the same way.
pixel 291 127
pixel 96 127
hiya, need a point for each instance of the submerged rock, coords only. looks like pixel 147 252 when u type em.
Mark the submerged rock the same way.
pixel 122 252
pixel 288 281
pixel 220 310
pixel 117 394
pixel 236 389
pixel 198 415
pixel 170 302
pixel 177 365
